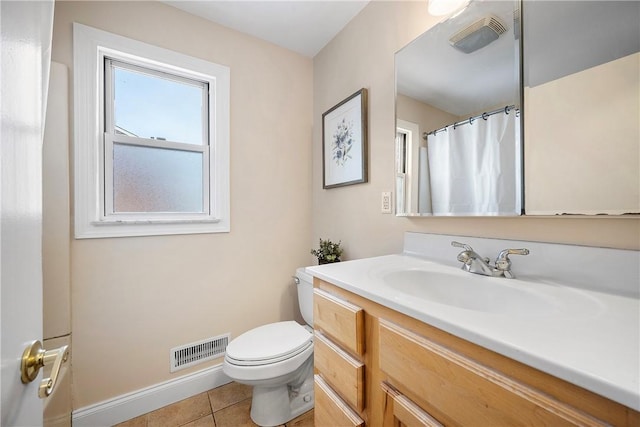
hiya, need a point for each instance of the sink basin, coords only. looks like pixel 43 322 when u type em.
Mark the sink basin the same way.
pixel 471 292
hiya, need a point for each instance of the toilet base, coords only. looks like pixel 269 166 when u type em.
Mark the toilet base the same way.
pixel 273 406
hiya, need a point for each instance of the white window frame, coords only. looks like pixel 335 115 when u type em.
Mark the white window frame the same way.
pixel 111 138
pixel 94 216
pixel 412 152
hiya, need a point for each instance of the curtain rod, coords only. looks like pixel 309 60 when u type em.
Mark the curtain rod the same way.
pixel 470 120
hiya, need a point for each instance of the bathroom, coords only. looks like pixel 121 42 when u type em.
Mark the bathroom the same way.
pixel 129 300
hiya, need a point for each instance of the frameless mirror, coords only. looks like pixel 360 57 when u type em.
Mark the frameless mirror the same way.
pixel 582 107
pixel 581 111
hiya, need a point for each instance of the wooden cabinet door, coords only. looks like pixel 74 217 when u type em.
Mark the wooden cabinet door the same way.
pixel 462 392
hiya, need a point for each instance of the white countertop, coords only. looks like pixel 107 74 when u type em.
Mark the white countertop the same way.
pixel 588 338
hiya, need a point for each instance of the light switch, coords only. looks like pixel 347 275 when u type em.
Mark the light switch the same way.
pixel 386 202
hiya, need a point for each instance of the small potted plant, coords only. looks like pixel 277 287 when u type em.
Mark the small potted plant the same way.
pixel 327 252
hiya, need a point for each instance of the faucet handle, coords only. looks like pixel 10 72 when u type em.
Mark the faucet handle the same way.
pixel 465 256
pixel 503 262
pixel 504 254
pixel 461 245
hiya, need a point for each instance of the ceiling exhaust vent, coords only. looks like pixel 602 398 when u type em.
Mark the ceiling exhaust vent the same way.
pixel 198 352
pixel 478 35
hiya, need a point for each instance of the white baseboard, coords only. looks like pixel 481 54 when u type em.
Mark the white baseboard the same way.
pixel 134 404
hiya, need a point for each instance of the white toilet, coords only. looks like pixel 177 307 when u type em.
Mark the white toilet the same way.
pixel 277 360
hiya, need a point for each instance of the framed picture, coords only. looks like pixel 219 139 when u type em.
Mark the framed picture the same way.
pixel 344 142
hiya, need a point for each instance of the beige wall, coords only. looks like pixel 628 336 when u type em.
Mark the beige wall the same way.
pixel 56 245
pixel 362 55
pixel 133 299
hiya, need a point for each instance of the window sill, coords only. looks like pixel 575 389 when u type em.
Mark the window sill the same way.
pixel 154 221
pixel 156 227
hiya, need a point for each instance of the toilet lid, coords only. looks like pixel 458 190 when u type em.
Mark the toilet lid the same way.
pixel 269 343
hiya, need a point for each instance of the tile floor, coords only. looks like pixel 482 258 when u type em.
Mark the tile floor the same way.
pixel 226 406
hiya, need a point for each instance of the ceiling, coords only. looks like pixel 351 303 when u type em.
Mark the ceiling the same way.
pixel 303 26
pixel 455 82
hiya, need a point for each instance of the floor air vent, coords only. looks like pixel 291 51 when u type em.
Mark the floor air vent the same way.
pixel 198 352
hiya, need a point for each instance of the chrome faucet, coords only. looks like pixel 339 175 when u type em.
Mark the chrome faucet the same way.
pixel 474 263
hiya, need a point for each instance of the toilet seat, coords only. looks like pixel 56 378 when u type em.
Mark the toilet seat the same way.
pixel 269 344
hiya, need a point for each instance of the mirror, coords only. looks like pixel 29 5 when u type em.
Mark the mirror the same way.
pixel 458 145
pixel 582 107
pixel 580 112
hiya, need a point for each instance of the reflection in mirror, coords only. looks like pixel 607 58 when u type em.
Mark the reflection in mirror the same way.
pixel 458 145
pixel 582 106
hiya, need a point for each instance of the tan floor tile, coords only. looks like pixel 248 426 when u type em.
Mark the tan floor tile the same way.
pixel 228 394
pixel 237 415
pixel 180 413
pixel 304 420
pixel 140 421
pixel 202 422
pixel 231 404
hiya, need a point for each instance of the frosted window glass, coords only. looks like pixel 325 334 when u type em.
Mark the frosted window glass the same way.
pixel 152 107
pixel 156 180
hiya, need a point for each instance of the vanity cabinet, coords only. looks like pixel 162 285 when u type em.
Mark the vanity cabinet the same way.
pixel 338 364
pixel 418 375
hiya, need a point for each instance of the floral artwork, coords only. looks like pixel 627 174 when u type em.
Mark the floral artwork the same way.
pixel 344 142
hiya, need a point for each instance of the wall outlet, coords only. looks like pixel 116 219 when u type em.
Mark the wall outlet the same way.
pixel 386 202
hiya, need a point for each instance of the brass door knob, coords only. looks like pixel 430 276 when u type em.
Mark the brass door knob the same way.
pixel 35 357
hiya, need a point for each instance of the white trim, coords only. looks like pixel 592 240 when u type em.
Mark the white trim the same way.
pixel 140 402
pixel 412 132
pixel 89 46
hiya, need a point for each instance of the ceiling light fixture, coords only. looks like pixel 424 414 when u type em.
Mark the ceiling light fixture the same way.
pixel 446 7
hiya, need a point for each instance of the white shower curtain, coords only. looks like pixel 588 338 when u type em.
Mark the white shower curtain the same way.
pixel 476 168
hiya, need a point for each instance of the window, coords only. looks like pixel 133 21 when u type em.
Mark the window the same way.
pixel 151 143
pixel 156 143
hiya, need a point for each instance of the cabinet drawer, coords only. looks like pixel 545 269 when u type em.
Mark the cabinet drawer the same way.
pixel 400 410
pixel 330 410
pixel 341 320
pixel 343 372
pixel 459 391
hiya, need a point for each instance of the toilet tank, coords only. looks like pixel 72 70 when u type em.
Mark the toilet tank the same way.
pixel 304 282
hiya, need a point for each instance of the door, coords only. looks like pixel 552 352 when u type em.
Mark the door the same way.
pixel 26 31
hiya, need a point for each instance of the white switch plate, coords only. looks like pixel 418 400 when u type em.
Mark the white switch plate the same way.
pixel 386 202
